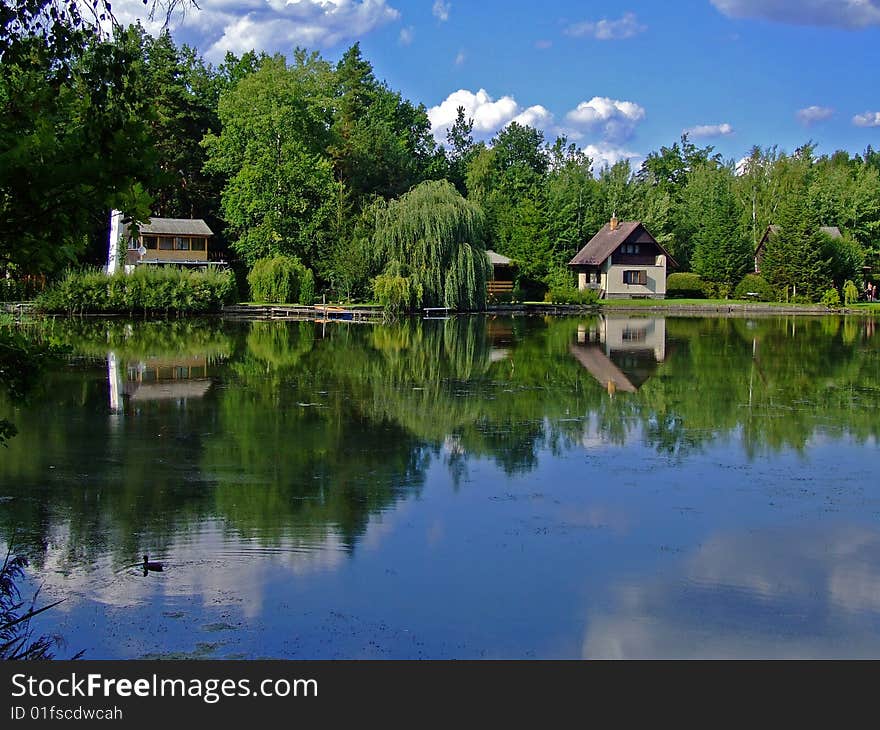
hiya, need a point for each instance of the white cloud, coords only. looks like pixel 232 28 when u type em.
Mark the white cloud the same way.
pixel 607 121
pixel 813 114
pixel 267 25
pixel 536 116
pixel 460 58
pixel 543 44
pixel 489 114
pixel 849 14
pixel 441 10
pixel 604 154
pixel 868 119
pixel 616 119
pixel 407 35
pixel 608 30
pixel 709 130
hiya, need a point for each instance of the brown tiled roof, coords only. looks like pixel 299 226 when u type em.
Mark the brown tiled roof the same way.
pixel 606 242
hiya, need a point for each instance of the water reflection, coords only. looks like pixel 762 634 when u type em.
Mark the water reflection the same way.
pixel 244 454
pixel 786 593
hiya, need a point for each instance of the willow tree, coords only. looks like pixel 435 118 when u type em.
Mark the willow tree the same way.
pixel 435 238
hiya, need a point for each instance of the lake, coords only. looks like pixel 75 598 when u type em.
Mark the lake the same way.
pixel 477 487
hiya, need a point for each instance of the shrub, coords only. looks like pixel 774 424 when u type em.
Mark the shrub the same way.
pixel 570 295
pixel 685 286
pixel 831 298
pixel 281 280
pixel 850 292
pixel 757 285
pixel 147 289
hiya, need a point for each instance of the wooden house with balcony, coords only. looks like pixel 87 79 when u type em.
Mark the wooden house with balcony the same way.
pixel 623 261
pixel 169 242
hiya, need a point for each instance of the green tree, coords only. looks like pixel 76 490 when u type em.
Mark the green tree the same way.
pixel 437 238
pixel 721 254
pixel 280 195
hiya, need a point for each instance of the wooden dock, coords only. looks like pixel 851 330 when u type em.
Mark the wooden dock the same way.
pixel 301 313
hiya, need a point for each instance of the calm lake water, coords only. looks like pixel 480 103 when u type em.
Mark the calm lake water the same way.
pixel 476 487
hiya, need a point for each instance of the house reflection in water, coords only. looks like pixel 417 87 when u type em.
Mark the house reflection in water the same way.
pixel 621 354
pixel 157 379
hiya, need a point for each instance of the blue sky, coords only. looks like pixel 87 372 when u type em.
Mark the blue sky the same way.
pixel 620 79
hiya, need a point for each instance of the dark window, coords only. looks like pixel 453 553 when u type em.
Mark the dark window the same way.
pixel 181 244
pixel 166 243
pixel 630 335
pixel 198 244
pixel 635 277
pixel 132 244
pixel 150 243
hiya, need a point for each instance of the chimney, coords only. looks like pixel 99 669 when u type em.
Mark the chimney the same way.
pixel 614 222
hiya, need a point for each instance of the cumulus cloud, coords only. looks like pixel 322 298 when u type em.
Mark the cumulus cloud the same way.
pixel 606 155
pixel 441 10
pixel 535 116
pixel 489 114
pixel 709 130
pixel 813 114
pixel 868 119
pixel 849 14
pixel 269 25
pixel 616 119
pixel 407 35
pixel 608 30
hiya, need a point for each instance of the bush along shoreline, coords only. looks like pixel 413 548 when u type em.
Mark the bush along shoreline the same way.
pixel 166 290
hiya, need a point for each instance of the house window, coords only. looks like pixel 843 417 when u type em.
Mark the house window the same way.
pixel 198 244
pixel 635 277
pixel 631 248
pixel 166 243
pixel 150 243
pixel 181 244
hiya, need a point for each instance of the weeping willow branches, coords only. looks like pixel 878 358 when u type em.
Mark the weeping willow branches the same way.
pixel 434 238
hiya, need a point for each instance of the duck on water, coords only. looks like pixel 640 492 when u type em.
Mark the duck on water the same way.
pixel 152 565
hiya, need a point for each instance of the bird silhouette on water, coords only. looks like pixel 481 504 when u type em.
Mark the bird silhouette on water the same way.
pixel 152 566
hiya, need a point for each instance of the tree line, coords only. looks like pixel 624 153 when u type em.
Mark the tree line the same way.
pixel 324 162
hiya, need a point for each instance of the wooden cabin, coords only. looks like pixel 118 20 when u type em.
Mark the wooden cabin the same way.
pixel 772 230
pixel 623 261
pixel 169 241
pixel 503 274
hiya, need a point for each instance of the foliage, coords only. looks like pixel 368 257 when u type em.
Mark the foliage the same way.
pixel 281 280
pixel 146 290
pixel 721 254
pixel 572 295
pixel 280 196
pixel 850 293
pixel 754 284
pixel 685 286
pixel 831 298
pixel 395 291
pixel 440 237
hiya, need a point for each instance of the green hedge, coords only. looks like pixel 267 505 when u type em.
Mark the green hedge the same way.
pixel 685 286
pixel 146 290
pixel 754 284
pixel 570 295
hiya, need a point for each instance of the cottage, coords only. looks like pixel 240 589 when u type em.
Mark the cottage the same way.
pixel 830 231
pixel 160 241
pixel 623 261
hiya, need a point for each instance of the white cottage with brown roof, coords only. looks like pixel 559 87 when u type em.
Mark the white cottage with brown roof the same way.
pixel 623 261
